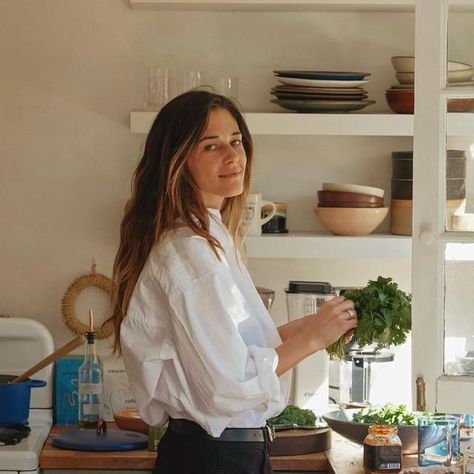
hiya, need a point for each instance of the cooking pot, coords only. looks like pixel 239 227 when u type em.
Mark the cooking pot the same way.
pixel 15 399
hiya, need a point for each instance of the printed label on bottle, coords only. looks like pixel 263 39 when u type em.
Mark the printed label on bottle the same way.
pixel 382 457
pixel 91 409
pixel 90 388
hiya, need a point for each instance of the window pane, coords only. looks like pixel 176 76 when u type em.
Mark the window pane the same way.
pixel 459 309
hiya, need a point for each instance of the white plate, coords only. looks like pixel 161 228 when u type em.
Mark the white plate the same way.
pixel 353 188
pixel 294 81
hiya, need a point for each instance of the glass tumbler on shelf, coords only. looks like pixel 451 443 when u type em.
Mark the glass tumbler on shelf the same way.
pixel 157 87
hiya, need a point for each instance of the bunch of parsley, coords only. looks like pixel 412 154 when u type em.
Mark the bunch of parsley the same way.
pixel 384 316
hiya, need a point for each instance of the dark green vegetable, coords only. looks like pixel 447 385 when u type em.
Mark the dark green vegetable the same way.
pixel 388 414
pixel 384 316
pixel 293 415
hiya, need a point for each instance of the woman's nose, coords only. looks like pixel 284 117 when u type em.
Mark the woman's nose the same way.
pixel 231 155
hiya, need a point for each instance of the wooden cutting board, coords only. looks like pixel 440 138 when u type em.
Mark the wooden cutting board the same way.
pixel 290 442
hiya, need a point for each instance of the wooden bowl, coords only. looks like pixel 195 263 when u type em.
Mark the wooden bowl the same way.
pixel 401 101
pixel 129 419
pixel 351 220
pixel 342 197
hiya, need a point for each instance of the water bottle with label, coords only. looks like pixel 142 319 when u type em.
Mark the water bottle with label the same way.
pixel 91 400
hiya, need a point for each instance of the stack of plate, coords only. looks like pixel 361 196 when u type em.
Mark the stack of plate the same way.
pixel 321 91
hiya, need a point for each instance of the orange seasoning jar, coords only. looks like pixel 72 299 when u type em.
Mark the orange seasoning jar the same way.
pixel 382 449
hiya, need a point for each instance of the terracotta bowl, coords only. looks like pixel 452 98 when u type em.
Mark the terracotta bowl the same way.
pixel 461 105
pixel 401 101
pixel 351 220
pixel 129 419
pixel 341 196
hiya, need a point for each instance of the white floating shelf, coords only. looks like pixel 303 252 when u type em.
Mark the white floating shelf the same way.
pixel 326 124
pixel 274 5
pixel 322 245
pixel 306 124
pixel 289 5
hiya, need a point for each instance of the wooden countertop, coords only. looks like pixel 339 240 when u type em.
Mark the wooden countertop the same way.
pixel 344 457
pixel 57 458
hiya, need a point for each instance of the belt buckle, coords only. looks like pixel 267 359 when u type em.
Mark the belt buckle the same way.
pixel 270 432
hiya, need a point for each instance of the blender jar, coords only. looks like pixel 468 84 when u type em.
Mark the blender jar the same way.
pixel 305 297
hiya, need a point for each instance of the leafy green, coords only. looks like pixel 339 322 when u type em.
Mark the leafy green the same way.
pixel 387 415
pixel 293 415
pixel 384 316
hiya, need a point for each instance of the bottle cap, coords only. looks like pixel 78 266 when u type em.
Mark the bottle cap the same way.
pixel 90 336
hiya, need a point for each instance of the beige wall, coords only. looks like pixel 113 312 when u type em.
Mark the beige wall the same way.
pixel 71 71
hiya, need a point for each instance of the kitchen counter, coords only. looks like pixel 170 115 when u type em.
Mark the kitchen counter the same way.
pixel 57 458
pixel 344 457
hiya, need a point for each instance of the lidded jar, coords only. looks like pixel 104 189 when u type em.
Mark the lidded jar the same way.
pixel 382 449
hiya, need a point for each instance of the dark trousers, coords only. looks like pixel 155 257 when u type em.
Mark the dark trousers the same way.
pixel 180 453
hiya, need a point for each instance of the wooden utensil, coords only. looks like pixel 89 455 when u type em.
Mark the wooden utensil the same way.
pixel 63 350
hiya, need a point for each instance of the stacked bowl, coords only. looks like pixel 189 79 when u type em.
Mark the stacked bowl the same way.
pixel 321 91
pixel 401 97
pixel 350 209
pixel 402 190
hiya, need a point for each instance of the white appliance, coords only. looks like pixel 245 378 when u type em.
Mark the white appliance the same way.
pixel 23 343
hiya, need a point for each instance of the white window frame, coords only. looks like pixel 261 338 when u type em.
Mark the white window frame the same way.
pixel 453 394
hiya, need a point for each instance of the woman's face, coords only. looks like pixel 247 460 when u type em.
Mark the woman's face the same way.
pixel 217 162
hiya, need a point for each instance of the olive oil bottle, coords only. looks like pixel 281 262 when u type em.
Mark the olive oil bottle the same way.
pixel 91 398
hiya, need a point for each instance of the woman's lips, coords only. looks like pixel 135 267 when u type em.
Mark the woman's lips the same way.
pixel 231 175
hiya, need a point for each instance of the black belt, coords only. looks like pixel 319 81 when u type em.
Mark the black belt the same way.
pixel 188 427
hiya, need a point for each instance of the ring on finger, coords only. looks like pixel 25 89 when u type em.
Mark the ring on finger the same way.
pixel 350 313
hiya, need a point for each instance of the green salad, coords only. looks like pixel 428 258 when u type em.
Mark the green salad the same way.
pixel 389 414
pixel 293 415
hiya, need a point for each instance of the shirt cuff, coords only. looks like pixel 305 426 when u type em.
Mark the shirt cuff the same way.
pixel 266 362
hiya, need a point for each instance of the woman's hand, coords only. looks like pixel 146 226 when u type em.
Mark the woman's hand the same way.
pixel 333 319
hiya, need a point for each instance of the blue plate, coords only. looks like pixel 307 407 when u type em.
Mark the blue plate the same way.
pixel 328 75
pixel 111 440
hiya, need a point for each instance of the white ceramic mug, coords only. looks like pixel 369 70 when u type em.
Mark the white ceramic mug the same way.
pixel 253 219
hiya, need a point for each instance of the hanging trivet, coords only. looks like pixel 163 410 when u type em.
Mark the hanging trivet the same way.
pixel 69 300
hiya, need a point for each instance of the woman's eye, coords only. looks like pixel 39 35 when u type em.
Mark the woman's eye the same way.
pixel 210 147
pixel 236 142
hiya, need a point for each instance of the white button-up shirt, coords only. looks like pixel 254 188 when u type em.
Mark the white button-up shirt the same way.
pixel 197 341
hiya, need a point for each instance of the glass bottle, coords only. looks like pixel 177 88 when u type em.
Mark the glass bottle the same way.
pixel 91 399
pixel 382 449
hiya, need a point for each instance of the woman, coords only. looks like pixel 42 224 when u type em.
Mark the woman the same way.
pixel 199 346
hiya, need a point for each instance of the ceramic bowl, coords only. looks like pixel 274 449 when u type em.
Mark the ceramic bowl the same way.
pixel 351 220
pixel 343 197
pixel 353 188
pixel 341 422
pixel 407 64
pixel 129 419
pixel 406 78
pixel 401 101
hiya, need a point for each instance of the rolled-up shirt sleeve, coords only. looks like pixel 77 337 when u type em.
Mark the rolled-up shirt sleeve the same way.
pixel 225 372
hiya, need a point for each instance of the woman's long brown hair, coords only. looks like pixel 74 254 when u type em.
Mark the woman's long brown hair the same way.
pixel 163 191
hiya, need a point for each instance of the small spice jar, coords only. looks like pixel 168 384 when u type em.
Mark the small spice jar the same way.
pixel 277 224
pixel 382 449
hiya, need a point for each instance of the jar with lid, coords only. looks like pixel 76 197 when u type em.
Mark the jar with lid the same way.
pixel 382 449
pixel 277 224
